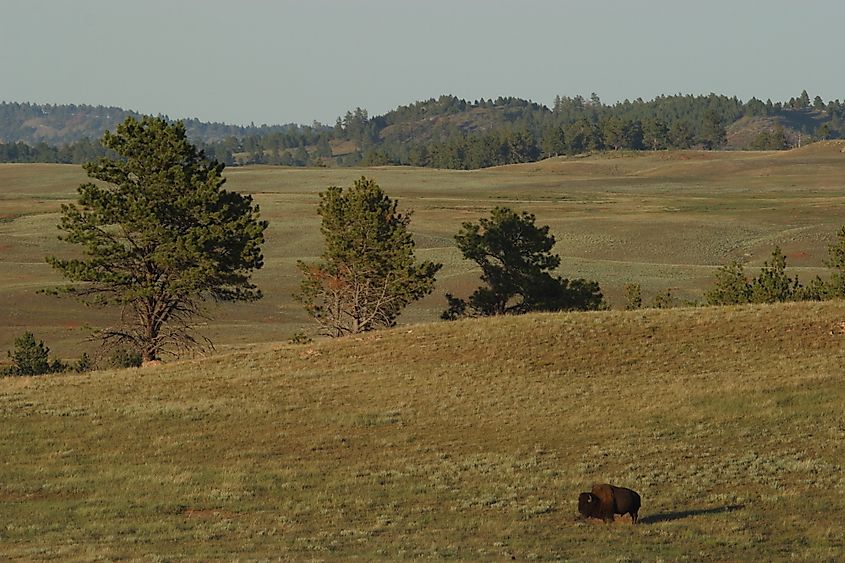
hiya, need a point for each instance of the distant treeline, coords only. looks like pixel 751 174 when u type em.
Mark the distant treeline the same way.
pixel 78 152
pixel 449 132
pixel 63 124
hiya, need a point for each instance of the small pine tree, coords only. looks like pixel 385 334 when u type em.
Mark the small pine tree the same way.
pixel 836 262
pixel 664 300
pixel 731 287
pixel 772 285
pixel 29 357
pixel 122 358
pixel 84 364
pixel 369 273
pixel 633 296
pixel 816 290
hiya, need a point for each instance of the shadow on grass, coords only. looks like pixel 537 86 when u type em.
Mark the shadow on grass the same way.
pixel 669 516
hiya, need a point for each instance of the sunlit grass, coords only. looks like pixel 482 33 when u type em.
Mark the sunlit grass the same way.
pixel 466 440
pixel 664 220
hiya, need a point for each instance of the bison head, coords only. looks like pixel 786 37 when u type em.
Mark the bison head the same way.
pixel 589 505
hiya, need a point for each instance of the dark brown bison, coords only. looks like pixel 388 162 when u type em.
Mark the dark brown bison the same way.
pixel 606 500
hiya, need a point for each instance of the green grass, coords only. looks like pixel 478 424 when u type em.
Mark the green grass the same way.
pixel 664 220
pixel 467 440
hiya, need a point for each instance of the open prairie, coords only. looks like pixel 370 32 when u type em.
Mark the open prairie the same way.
pixel 664 220
pixel 467 440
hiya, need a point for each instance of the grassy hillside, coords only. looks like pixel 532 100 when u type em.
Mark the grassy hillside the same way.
pixel 471 120
pixel 466 440
pixel 665 220
pixel 797 124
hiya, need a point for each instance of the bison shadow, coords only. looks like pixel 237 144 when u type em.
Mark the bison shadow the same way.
pixel 669 516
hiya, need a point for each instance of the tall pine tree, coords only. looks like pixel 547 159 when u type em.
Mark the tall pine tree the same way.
pixel 159 236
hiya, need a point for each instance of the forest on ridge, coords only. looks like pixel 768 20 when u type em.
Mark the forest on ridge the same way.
pixel 449 132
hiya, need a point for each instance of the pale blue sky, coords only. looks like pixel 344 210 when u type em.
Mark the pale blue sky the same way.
pixel 297 61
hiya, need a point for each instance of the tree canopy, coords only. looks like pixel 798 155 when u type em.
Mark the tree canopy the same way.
pixel 159 236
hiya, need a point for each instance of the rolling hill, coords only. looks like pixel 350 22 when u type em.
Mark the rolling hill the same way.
pixel 61 124
pixel 467 440
pixel 446 132
pixel 665 220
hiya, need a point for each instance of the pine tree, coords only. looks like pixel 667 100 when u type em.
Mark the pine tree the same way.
pixel 516 263
pixel 713 134
pixel 655 134
pixel 613 132
pixel 804 100
pixel 681 135
pixel 553 142
pixel 731 288
pixel 369 273
pixel 836 262
pixel 29 357
pixel 772 284
pixel 160 236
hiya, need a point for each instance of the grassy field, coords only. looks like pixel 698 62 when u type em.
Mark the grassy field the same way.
pixel 664 220
pixel 467 440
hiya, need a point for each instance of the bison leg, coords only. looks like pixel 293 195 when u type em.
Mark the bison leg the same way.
pixel 634 517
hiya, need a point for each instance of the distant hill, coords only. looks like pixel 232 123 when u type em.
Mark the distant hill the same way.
pixel 434 119
pixel 56 125
pixel 449 132
pixel 799 127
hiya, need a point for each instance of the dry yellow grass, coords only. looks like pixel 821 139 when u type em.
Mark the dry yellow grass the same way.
pixel 664 220
pixel 467 440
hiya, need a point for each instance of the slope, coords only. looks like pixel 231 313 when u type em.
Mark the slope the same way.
pixel 465 440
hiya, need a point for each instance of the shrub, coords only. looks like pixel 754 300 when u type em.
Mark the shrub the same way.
pixel 84 364
pixel 664 300
pixel 633 296
pixel 122 358
pixel 300 337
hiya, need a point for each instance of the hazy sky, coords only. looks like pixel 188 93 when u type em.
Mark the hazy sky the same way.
pixel 297 61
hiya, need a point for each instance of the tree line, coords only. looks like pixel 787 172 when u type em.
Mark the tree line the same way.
pixel 63 124
pixel 160 237
pixel 449 132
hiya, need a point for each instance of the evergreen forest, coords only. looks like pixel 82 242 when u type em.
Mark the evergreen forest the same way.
pixel 449 132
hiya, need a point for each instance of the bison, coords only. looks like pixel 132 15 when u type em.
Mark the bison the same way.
pixel 606 500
